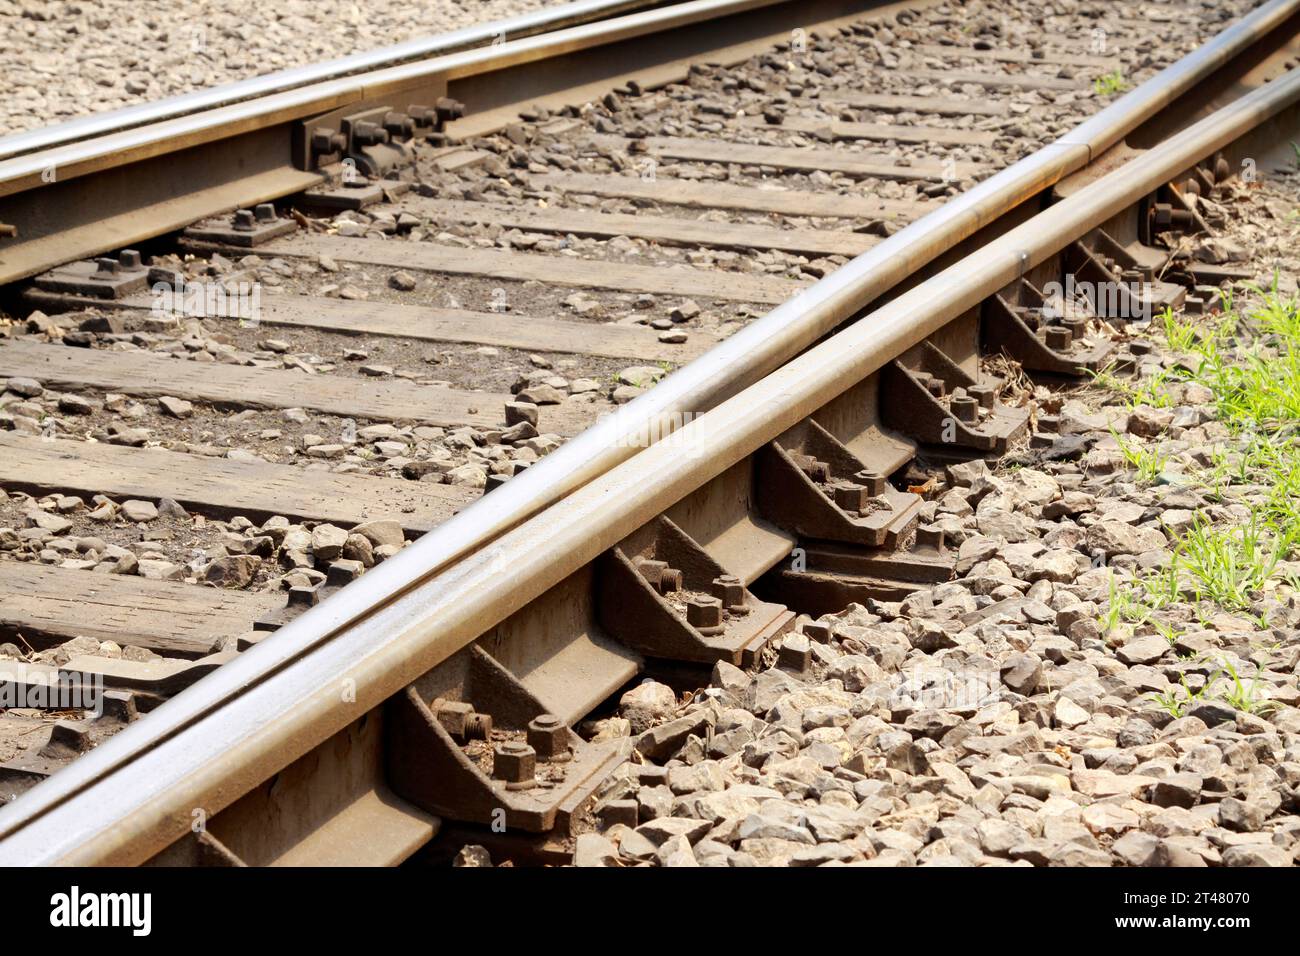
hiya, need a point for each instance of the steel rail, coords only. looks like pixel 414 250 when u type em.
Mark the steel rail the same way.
pixel 725 370
pixel 118 147
pixel 524 25
pixel 80 199
pixel 128 815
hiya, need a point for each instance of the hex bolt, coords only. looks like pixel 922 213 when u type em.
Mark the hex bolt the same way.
pixel 325 140
pixel 130 259
pixel 422 117
pixel 1077 325
pixel 660 576
pixel 795 653
pixel 616 812
pixel 728 589
pixel 984 394
pixel 398 124
pixel 704 614
pixel 66 739
pixel 549 737
pixel 818 471
pixel 1058 337
pixel 851 497
pixel 106 268
pixel 303 596
pixel 368 134
pixel 118 705
pixel 817 631
pixel 265 212
pixel 449 109
pixel 964 408
pixel 244 220
pixel 515 763
pixel 342 572
pixel 1222 169
pixel 930 537
pixel 873 481
pixel 454 716
pixel 935 386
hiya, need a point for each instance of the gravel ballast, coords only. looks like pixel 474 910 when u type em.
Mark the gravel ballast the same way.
pixel 62 60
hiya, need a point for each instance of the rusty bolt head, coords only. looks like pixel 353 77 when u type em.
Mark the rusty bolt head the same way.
pixel 422 116
pixel 873 481
pixel 935 386
pixel 449 109
pixel 659 575
pixel 454 716
pixel 343 571
pixel 515 763
pixel 930 537
pixel 66 738
pixel 549 737
pixel 368 134
pixel 325 140
pixel 984 394
pixel 398 125
pixel 106 267
pixel 704 612
pixel 1058 337
pixel 303 597
pixel 817 631
pixel 818 471
pixel 964 408
pixel 618 811
pixel 265 212
pixel 851 497
pixel 1077 325
pixel 130 259
pixel 728 589
pixel 795 653
pixel 244 220
pixel 119 705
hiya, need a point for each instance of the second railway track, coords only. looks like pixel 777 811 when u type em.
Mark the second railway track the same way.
pixel 481 301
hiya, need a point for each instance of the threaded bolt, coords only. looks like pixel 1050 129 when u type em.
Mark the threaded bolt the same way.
pixel 549 737
pixel 515 763
pixel 704 613
pixel 964 408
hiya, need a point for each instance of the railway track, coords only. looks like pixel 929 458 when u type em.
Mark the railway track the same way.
pixel 414 305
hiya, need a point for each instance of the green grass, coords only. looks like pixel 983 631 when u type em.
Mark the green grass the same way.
pixel 1238 695
pixel 1248 357
pixel 1108 84
pixel 1229 565
pixel 1179 334
pixel 1176 706
pixel 1241 696
pixel 1146 461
